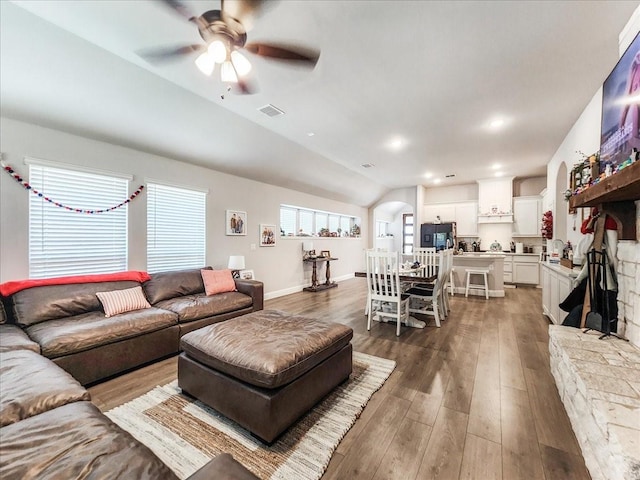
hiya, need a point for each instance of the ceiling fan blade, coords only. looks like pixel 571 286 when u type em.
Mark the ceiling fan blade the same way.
pixel 245 87
pixel 303 56
pixel 180 8
pixel 243 11
pixel 164 54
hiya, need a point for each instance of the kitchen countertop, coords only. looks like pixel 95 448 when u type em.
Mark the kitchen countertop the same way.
pixel 569 272
pixel 500 253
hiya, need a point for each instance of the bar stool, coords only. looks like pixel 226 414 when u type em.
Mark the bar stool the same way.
pixel 477 271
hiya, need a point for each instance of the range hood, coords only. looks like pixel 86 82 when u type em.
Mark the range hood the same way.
pixel 495 200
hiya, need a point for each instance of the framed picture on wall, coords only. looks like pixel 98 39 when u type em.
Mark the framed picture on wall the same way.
pixel 267 235
pixel 236 222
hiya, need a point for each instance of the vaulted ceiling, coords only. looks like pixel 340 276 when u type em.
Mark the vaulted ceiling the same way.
pixel 430 75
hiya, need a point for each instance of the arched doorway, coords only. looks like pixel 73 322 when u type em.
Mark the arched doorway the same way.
pixel 389 229
pixel 560 214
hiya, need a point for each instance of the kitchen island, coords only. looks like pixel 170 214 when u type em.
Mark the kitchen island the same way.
pixel 494 262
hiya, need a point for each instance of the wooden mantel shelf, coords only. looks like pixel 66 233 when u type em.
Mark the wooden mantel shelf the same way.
pixel 615 195
pixel 624 185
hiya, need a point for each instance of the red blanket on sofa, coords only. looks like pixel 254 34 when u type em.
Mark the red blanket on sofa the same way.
pixel 9 288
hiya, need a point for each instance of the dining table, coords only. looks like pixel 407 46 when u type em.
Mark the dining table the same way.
pixel 410 275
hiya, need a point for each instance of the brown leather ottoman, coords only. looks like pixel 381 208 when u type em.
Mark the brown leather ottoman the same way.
pixel 266 369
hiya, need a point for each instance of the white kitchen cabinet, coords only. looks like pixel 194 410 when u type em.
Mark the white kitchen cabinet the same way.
pixel 465 214
pixel 446 212
pixel 526 269
pixel 557 283
pixel 508 269
pixel 527 214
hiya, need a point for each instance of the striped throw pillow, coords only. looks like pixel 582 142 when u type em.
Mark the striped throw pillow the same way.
pixel 120 301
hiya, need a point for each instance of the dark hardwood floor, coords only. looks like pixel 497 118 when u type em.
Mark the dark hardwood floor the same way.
pixel 471 400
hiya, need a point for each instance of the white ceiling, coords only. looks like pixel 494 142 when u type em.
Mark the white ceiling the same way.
pixel 433 73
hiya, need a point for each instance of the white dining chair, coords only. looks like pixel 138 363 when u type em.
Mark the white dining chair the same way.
pixel 427 257
pixel 427 299
pixel 384 296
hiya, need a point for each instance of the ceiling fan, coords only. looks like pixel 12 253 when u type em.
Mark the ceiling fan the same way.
pixel 224 33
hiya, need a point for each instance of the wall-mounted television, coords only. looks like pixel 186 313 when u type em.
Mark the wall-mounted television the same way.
pixel 620 131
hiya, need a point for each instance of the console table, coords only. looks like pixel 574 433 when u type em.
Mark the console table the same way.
pixel 315 286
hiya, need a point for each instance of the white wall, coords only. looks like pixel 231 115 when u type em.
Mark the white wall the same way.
pixel 279 267
pixel 448 194
pixel 524 187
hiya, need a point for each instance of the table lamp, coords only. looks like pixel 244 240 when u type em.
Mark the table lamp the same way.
pixel 236 263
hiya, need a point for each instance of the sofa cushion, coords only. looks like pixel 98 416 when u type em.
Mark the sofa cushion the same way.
pixel 268 348
pixel 164 285
pixel 195 307
pixel 83 332
pixel 75 441
pixel 3 313
pixel 13 337
pixel 120 301
pixel 39 304
pixel 32 384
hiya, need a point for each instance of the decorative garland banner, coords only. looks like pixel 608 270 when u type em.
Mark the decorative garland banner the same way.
pixel 26 186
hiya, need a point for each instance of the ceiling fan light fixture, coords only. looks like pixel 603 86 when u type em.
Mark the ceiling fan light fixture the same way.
pixel 217 51
pixel 240 63
pixel 205 63
pixel 228 73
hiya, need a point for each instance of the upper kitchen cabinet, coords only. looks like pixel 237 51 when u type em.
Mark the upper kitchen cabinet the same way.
pixel 465 214
pixel 494 200
pixel 527 212
pixel 446 212
pixel 467 219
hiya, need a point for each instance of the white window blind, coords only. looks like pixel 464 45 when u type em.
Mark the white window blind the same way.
pixel 63 242
pixel 321 221
pixel 176 227
pixel 288 221
pixel 345 225
pixel 306 222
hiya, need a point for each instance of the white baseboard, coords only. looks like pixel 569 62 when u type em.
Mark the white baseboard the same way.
pixel 479 292
pixel 298 288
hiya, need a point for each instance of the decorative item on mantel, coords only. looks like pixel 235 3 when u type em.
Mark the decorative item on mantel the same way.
pixel 590 172
pixel 307 249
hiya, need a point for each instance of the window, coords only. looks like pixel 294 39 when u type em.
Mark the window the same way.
pixel 64 242
pixel 407 233
pixel 175 228
pixel 288 221
pixel 382 229
pixel 296 221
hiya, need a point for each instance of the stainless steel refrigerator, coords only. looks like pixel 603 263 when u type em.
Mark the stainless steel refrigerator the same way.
pixel 439 235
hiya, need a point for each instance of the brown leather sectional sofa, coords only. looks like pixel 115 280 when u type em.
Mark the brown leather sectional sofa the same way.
pixel 55 338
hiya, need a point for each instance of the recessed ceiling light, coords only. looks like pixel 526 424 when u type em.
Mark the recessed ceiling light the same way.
pixel 437 180
pixel 428 175
pixel 496 123
pixel 397 143
pixel 495 166
pixel 499 174
pixel 310 134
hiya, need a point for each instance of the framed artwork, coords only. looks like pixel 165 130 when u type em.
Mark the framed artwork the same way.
pixel 236 222
pixel 267 235
pixel 325 253
pixel 247 275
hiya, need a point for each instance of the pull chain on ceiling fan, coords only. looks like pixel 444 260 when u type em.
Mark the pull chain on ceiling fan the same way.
pixel 224 32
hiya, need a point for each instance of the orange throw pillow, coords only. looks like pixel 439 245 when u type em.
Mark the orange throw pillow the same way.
pixel 218 281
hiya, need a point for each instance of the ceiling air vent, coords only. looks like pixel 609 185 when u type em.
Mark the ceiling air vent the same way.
pixel 271 110
pixel 450 175
pixel 367 165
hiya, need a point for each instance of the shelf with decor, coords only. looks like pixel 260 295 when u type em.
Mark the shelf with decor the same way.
pixel 495 218
pixel 616 195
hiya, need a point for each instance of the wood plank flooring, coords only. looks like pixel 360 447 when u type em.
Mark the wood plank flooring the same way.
pixel 473 399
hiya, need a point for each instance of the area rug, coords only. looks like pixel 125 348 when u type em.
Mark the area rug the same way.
pixel 185 434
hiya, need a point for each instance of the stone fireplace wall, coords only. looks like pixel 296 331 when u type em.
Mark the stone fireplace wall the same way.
pixel 629 286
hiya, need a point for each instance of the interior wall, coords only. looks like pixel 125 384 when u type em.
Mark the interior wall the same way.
pixel 525 187
pixel 452 193
pixel 584 136
pixel 280 267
